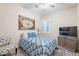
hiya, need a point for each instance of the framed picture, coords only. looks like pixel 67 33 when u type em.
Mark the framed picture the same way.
pixel 25 23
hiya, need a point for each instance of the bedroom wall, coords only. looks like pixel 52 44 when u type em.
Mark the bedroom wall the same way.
pixel 0 23
pixel 78 18
pixel 9 20
pixel 66 17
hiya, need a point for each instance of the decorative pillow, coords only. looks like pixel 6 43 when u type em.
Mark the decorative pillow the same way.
pixel 4 41
pixel 32 34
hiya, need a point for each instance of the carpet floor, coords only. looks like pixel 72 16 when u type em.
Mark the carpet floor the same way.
pixel 58 52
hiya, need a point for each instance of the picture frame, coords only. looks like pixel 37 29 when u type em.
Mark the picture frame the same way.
pixel 25 23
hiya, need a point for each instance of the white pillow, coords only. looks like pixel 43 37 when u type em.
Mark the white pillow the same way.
pixel 24 35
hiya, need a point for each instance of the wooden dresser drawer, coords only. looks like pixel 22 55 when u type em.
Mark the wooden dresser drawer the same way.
pixel 69 43
pixel 61 41
pixel 78 45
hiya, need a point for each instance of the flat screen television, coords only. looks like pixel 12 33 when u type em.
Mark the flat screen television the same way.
pixel 68 31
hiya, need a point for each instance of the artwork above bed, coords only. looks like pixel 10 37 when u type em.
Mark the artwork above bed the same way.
pixel 25 23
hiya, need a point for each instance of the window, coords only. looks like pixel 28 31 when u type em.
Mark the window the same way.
pixel 46 26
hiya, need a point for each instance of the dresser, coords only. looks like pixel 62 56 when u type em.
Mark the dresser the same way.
pixel 68 42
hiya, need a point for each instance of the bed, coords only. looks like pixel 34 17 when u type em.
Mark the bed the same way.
pixel 37 45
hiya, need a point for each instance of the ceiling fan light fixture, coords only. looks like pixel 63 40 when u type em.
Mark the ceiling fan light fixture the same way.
pixel 44 5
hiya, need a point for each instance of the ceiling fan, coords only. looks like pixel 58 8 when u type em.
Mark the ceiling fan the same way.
pixel 44 5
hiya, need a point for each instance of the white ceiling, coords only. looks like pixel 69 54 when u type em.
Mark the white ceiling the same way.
pixel 41 11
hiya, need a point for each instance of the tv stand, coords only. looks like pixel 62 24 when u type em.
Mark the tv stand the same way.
pixel 68 42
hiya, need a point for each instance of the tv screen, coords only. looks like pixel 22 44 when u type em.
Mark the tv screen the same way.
pixel 68 31
pixel 64 28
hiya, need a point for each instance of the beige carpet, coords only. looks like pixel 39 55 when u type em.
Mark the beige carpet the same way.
pixel 58 52
pixel 64 52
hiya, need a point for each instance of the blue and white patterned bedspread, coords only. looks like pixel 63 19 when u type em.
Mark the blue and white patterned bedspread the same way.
pixel 38 46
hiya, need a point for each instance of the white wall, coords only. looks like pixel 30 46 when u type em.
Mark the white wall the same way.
pixel 67 17
pixel 78 18
pixel 9 20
